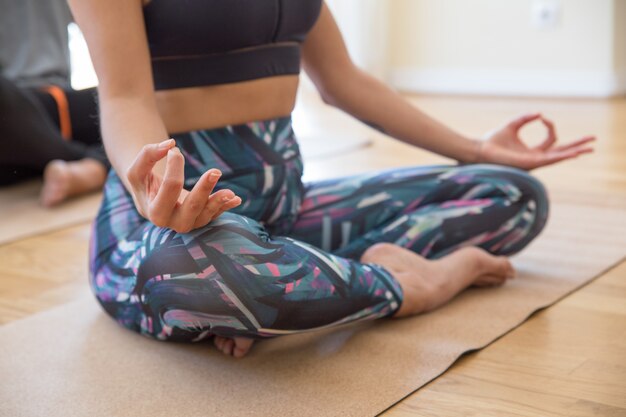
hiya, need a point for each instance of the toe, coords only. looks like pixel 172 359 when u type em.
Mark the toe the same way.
pixel 505 268
pixel 237 347
pixel 510 270
pixel 489 264
pixel 228 347
pixel 219 342
pixel 242 346
pixel 489 281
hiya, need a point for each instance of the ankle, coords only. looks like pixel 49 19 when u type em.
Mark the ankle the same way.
pixel 413 302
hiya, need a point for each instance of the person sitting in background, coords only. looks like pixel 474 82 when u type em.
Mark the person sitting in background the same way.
pixel 46 128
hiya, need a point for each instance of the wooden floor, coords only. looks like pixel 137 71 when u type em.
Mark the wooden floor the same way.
pixel 568 360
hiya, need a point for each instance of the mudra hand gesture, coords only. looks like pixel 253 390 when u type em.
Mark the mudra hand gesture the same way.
pixel 164 201
pixel 504 146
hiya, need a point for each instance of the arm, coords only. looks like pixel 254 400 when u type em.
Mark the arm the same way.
pixel 130 121
pixel 345 86
pixel 115 33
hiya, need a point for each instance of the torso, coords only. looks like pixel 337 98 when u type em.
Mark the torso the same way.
pixel 206 107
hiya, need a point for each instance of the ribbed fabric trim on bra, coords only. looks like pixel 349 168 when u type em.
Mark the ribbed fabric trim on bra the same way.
pixel 241 65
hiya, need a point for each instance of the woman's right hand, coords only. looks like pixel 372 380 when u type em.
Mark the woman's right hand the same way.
pixel 164 201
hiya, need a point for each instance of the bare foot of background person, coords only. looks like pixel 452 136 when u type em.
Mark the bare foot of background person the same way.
pixel 65 179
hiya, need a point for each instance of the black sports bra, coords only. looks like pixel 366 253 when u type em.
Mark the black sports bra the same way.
pixel 208 42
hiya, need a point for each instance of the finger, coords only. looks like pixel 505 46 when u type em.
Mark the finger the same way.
pixel 162 206
pixel 147 158
pixel 579 150
pixel 551 138
pixel 558 156
pixel 213 207
pixel 575 143
pixel 229 205
pixel 197 199
pixel 518 123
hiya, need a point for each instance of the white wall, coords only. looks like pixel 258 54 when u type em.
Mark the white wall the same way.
pixel 490 47
pixel 364 25
pixel 83 74
pixel 619 22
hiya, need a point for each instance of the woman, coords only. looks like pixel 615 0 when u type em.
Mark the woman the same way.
pixel 266 255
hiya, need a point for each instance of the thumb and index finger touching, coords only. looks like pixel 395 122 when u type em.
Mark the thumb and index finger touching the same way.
pixel 518 123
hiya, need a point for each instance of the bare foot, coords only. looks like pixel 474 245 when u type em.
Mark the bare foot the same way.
pixel 428 284
pixel 237 347
pixel 62 179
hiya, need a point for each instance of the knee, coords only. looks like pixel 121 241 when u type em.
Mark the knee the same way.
pixel 222 241
pixel 532 193
pixel 519 187
pixel 9 91
pixel 228 234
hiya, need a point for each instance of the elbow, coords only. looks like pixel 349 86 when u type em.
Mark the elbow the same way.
pixel 328 98
pixel 333 90
pixel 337 90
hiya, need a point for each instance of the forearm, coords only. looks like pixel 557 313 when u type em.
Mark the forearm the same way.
pixel 372 102
pixel 116 36
pixel 128 123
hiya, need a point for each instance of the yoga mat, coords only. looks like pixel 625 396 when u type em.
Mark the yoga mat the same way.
pixel 21 215
pixel 75 361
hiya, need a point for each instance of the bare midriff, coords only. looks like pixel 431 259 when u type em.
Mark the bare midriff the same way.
pixel 199 108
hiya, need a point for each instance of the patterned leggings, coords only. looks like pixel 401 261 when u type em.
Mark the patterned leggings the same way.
pixel 286 260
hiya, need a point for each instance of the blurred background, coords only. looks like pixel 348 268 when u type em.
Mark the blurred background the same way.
pixel 564 48
pixel 545 48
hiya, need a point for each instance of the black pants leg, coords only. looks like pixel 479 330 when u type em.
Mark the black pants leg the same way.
pixel 30 135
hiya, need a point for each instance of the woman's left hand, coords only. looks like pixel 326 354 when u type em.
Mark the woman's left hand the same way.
pixel 504 146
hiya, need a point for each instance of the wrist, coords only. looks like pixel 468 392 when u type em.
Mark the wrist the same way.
pixel 478 156
pixel 473 152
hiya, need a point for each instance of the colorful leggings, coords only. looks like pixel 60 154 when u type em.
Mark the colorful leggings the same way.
pixel 286 260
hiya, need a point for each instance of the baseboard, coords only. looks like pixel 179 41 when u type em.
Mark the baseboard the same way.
pixel 597 84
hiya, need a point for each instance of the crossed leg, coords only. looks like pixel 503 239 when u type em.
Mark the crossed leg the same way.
pixel 437 230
